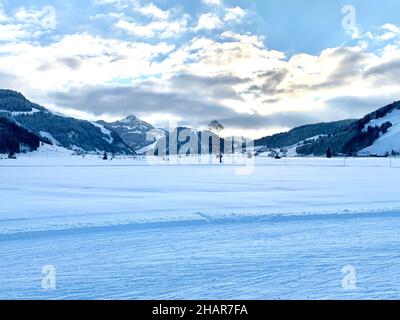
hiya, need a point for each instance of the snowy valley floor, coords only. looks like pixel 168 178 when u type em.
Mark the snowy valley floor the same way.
pixel 129 230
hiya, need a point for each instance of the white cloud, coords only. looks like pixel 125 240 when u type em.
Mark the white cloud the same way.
pixel 209 21
pixel 160 28
pixel 26 24
pixel 391 31
pixel 150 21
pixel 234 14
pixel 215 20
pixel 3 16
pixel 44 18
pixel 152 11
pixel 79 59
pixel 385 33
pixel 11 32
pixel 118 3
pixel 212 2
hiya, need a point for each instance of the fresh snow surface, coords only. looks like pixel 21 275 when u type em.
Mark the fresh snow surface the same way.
pixel 291 150
pixel 48 135
pixel 388 141
pixel 18 113
pixel 129 229
pixel 104 131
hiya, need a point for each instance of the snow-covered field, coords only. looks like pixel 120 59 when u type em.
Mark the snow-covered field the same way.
pixel 129 229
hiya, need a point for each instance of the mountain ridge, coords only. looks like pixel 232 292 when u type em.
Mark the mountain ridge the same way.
pixel 71 133
pixel 347 137
pixel 132 130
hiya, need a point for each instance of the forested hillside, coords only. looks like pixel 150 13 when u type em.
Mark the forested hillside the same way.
pixel 356 137
pixel 66 131
pixel 73 133
pixel 13 101
pixel 305 132
pixel 14 138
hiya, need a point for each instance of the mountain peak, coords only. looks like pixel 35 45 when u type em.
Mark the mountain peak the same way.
pixel 132 118
pixel 132 130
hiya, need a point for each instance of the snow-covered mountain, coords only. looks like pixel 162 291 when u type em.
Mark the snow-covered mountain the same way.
pixel 135 133
pixel 132 130
pixel 388 137
pixel 183 140
pixel 378 133
pixel 60 130
pixel 294 141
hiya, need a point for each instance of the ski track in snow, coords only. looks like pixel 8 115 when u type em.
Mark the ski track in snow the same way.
pixel 199 232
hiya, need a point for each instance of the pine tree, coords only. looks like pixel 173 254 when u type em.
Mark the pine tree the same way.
pixel 329 153
pixel 12 155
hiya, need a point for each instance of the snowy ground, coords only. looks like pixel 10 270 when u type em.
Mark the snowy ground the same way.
pixel 388 141
pixel 127 229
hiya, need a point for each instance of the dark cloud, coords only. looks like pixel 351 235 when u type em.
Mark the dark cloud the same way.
pixel 350 63
pixel 214 87
pixel 271 100
pixel 387 73
pixel 71 63
pixel 276 75
pixel 44 67
pixel 355 107
pixel 10 81
pixel 142 100
pixel 202 81
pixel 339 108
pixel 276 120
pixel 272 79
pixel 193 97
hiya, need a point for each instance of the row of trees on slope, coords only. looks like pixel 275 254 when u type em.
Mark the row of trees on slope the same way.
pixel 353 138
pixel 13 136
pixel 13 101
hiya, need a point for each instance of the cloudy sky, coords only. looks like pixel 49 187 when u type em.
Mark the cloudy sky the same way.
pixel 257 66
